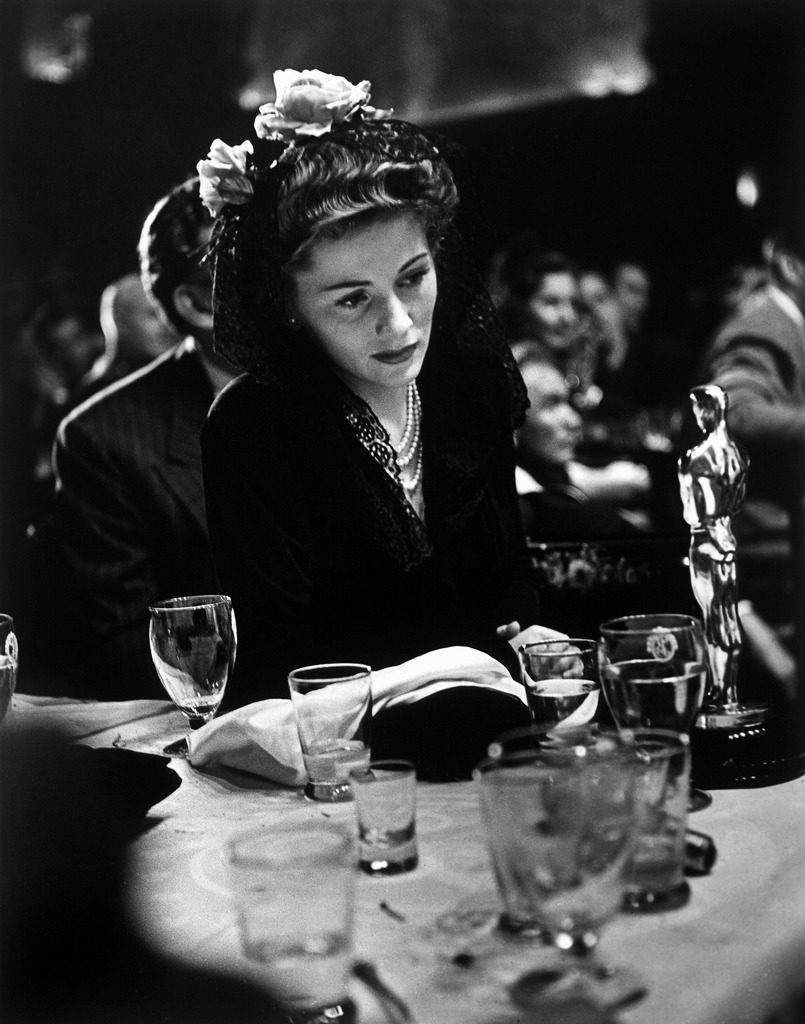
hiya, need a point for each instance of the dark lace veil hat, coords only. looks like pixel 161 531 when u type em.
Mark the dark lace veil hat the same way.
pixel 261 223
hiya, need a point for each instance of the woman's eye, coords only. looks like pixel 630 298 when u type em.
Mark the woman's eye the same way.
pixel 351 301
pixel 415 278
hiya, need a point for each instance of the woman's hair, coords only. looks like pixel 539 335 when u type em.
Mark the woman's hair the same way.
pixel 340 182
pixel 273 211
pixel 171 247
pixel 322 187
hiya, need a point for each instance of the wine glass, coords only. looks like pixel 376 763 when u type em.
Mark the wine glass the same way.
pixel 193 642
pixel 9 658
pixel 561 820
pixel 654 673
pixel 561 682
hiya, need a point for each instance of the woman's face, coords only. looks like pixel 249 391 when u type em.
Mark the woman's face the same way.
pixel 552 427
pixel 368 299
pixel 554 309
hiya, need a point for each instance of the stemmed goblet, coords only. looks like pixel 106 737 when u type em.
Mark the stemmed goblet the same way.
pixel 9 657
pixel 654 673
pixel 193 643
pixel 561 820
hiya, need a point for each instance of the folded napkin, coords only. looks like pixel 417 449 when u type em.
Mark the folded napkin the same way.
pixel 261 738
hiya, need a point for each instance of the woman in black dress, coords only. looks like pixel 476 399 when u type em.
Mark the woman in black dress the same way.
pixel 360 476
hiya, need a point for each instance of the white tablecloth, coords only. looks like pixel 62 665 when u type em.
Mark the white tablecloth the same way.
pixel 734 955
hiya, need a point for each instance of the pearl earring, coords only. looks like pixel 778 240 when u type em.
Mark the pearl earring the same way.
pixel 292 322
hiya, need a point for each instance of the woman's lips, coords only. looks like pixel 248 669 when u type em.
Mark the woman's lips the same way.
pixel 400 355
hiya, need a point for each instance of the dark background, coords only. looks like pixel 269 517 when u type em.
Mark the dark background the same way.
pixel 648 176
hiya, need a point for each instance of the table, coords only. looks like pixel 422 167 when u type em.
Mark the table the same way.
pixel 734 955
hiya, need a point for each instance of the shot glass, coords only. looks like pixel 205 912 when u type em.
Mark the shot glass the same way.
pixel 294 896
pixel 561 681
pixel 385 802
pixel 655 873
pixel 9 660
pixel 333 710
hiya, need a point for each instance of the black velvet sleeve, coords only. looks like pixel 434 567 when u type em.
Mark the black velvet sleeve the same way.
pixel 259 523
pixel 310 579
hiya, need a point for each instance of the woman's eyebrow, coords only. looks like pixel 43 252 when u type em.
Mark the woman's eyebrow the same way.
pixel 413 259
pixel 364 284
pixel 345 284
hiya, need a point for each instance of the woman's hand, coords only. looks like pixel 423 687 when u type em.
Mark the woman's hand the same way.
pixel 530 635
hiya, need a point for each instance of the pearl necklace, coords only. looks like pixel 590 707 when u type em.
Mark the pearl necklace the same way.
pixel 410 447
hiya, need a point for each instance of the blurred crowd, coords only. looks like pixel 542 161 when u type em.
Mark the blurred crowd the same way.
pixel 60 348
pixel 608 379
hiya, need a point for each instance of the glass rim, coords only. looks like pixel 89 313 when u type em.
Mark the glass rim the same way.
pixel 579 641
pixel 541 732
pixel 358 671
pixel 550 759
pixel 336 838
pixel 626 625
pixel 671 737
pixel 398 765
pixel 559 753
pixel 189 601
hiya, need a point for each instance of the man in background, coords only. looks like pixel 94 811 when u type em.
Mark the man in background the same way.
pixel 127 524
pixel 758 358
pixel 134 331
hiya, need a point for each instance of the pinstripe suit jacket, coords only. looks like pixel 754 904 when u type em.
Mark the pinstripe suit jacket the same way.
pixel 127 525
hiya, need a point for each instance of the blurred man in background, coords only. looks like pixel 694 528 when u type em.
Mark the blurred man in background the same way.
pixel 127 525
pixel 758 358
pixel 134 334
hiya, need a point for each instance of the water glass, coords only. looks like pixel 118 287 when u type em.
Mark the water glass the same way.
pixel 385 802
pixel 543 801
pixel 654 675
pixel 9 661
pixel 653 670
pixel 333 710
pixel 294 896
pixel 193 644
pixel 561 820
pixel 561 681
pixel 655 874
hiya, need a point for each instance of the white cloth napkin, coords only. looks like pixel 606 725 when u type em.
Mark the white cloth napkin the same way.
pixel 261 738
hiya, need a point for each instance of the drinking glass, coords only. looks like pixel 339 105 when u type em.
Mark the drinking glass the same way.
pixel 655 875
pixel 654 673
pixel 294 894
pixel 332 706
pixel 561 821
pixel 9 660
pixel 193 644
pixel 561 681
pixel 385 805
